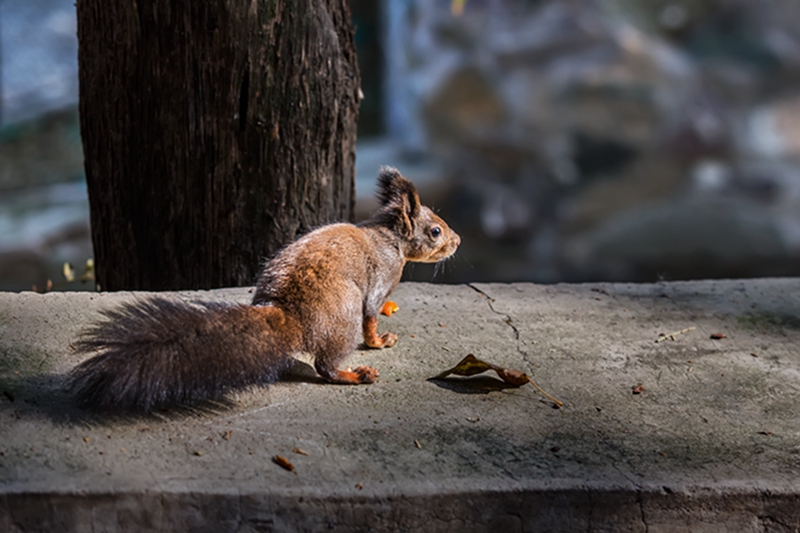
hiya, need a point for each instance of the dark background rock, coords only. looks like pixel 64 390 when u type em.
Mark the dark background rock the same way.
pixel 587 137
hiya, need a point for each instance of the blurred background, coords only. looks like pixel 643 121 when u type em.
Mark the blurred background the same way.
pixel 565 140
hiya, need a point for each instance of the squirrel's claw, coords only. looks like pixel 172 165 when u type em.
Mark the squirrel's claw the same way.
pixel 371 337
pixel 366 374
pixel 388 339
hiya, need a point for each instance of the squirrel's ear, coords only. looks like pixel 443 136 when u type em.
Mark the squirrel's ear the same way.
pixel 398 192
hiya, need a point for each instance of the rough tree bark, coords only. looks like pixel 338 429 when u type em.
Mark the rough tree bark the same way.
pixel 214 132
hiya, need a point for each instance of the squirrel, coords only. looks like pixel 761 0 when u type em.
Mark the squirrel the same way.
pixel 314 296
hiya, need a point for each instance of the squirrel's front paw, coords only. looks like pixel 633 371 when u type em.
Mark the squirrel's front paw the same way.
pixel 371 337
pixel 388 339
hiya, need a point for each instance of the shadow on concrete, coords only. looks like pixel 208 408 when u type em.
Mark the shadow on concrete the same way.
pixel 472 385
pixel 49 396
pixel 41 396
pixel 765 304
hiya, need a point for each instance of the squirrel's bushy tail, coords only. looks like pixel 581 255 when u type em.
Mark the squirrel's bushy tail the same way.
pixel 160 352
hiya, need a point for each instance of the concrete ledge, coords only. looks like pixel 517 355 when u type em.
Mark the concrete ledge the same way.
pixel 712 444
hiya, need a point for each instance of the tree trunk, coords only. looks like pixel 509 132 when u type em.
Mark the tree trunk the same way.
pixel 214 132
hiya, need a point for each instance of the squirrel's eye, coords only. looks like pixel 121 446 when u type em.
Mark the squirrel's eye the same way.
pixel 436 231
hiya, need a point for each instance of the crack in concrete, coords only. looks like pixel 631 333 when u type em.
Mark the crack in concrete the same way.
pixel 640 502
pixel 506 317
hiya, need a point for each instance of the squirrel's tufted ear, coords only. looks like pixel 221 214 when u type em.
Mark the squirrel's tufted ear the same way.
pixel 397 192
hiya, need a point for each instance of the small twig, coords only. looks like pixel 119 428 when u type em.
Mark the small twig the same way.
pixel 671 336
pixel 557 402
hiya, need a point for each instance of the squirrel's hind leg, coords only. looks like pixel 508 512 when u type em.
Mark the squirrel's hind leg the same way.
pixel 328 356
pixel 357 376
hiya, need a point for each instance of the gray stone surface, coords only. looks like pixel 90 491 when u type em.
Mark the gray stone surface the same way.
pixel 712 444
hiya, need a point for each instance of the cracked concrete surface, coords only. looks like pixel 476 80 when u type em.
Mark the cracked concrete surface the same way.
pixel 711 444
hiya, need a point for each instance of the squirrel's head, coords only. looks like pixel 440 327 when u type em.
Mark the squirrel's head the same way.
pixel 427 238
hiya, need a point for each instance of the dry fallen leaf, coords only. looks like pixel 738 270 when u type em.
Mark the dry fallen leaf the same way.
pixel 638 389
pixel 283 463
pixel 299 451
pixel 767 433
pixel 471 365
pixel 417 444
pixel 514 377
pixel 717 336
pixel 199 454
pixel 359 486
pixel 389 308
pixel 227 434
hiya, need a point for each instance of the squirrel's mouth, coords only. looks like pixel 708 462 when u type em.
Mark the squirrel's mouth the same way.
pixel 440 254
pixel 448 248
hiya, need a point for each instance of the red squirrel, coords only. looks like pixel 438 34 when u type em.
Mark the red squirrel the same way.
pixel 317 295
